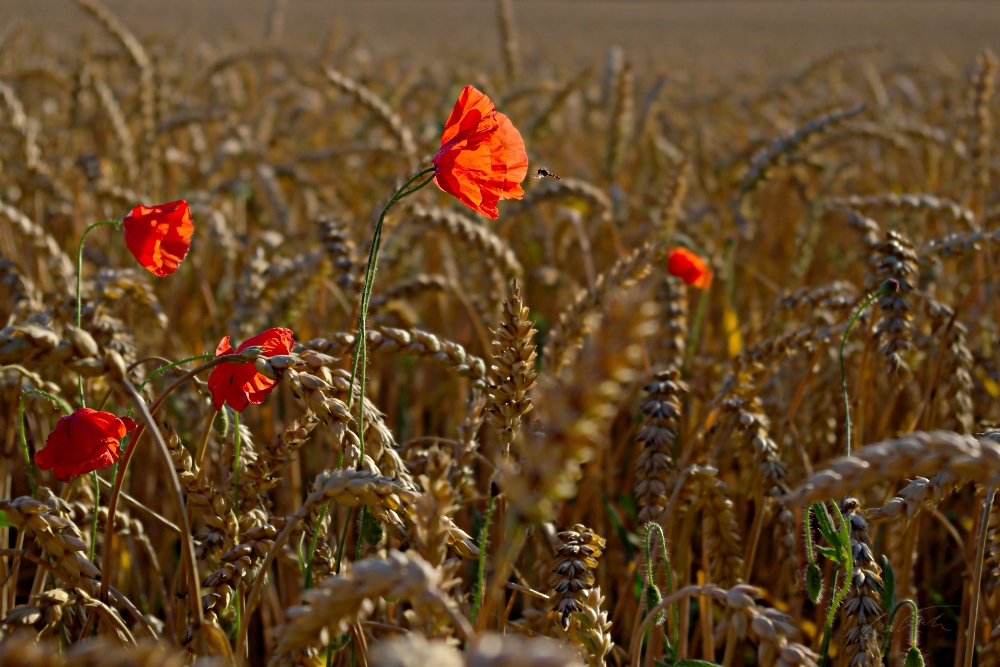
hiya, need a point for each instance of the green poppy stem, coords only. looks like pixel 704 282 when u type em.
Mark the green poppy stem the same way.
pixel 24 440
pixel 79 275
pixel 361 347
pixel 93 522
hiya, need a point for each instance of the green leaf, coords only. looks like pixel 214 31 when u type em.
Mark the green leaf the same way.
pixel 888 584
pixel 825 523
pixel 687 662
pixel 4 521
pixel 829 553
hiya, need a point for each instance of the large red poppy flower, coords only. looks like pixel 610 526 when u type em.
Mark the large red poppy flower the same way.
pixel 241 384
pixel 82 442
pixel 690 268
pixel 159 236
pixel 482 158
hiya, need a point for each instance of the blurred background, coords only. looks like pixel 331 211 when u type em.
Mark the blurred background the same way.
pixel 710 38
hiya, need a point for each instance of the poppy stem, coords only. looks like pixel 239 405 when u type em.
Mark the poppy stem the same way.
pixel 106 560
pixel 93 523
pixel 888 287
pixel 188 561
pixel 79 274
pixel 236 462
pixel 361 347
pixel 24 440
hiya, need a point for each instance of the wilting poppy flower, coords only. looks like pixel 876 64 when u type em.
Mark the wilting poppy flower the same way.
pixel 82 442
pixel 241 384
pixel 690 268
pixel 159 236
pixel 482 158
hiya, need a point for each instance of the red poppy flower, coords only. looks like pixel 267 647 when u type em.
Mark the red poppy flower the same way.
pixel 241 384
pixel 482 158
pixel 159 237
pixel 690 268
pixel 82 442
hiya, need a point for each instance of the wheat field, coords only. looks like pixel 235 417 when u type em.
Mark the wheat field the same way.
pixel 559 454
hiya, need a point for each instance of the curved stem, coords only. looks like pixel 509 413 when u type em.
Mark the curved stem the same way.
pixel 361 347
pixel 79 274
pixel 187 545
pixel 676 610
pixel 914 620
pixel 106 561
pixel 24 440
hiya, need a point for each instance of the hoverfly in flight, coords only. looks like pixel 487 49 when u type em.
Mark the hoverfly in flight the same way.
pixel 544 173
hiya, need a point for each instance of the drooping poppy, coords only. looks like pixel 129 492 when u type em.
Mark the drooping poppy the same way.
pixel 689 267
pixel 482 158
pixel 82 442
pixel 238 385
pixel 159 237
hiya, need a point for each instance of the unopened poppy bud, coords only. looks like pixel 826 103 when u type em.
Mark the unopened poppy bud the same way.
pixel 221 422
pixel 913 658
pixel 653 599
pixel 814 582
pixel 115 365
pixel 890 286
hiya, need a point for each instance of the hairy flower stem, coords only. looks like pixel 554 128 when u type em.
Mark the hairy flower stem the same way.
pixel 835 599
pixel 24 440
pixel 484 536
pixel 887 287
pixel 676 609
pixel 79 274
pixel 106 561
pixel 914 624
pixel 361 347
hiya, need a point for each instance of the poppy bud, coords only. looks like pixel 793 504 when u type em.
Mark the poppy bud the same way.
pixel 653 599
pixel 913 658
pixel 814 582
